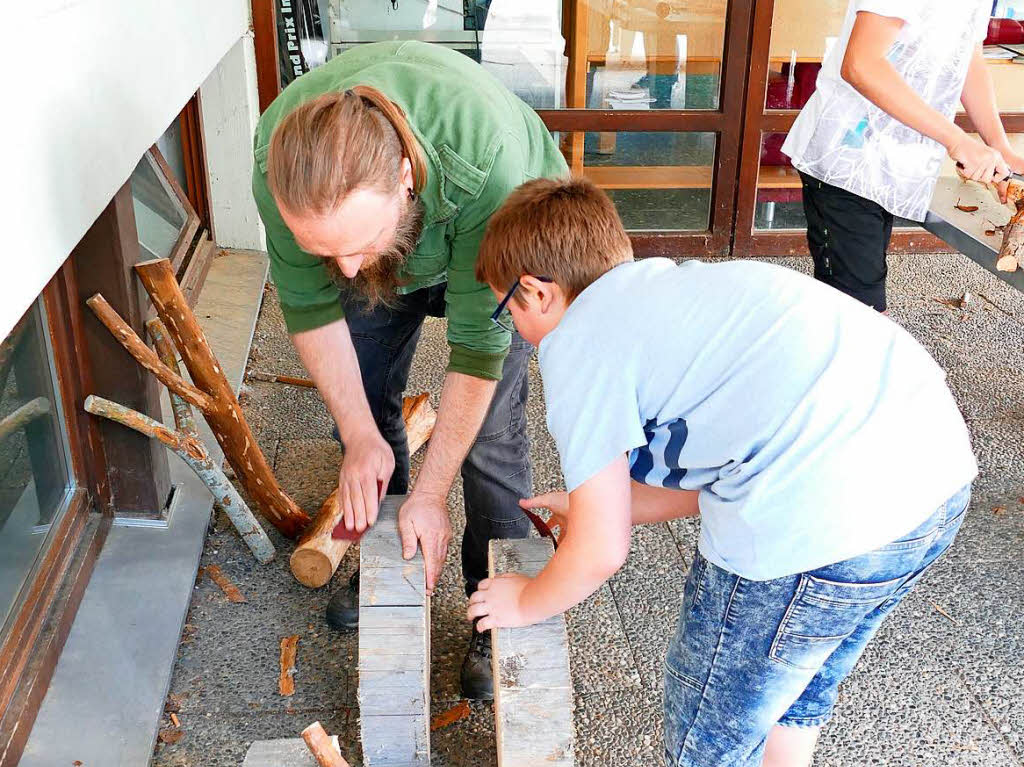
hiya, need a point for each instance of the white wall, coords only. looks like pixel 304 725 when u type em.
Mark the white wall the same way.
pixel 230 105
pixel 90 86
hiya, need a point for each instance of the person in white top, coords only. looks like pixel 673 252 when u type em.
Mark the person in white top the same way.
pixel 870 142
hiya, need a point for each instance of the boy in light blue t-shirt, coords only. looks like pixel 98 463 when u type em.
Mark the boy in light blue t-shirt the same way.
pixel 817 440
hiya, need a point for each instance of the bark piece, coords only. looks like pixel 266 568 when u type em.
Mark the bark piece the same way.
pixel 257 375
pixel 319 744
pixel 192 450
pixel 532 684
pixel 456 713
pixel 317 555
pixel 225 415
pixel 286 682
pixel 230 590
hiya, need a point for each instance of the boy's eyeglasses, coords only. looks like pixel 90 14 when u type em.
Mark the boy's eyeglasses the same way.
pixel 502 322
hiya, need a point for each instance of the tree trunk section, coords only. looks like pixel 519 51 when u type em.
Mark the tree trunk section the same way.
pixel 318 555
pixel 225 417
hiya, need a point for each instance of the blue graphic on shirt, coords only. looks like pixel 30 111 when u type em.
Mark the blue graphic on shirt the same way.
pixel 660 456
pixel 855 136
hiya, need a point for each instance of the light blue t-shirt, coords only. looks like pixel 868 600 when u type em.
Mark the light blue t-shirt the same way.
pixel 815 428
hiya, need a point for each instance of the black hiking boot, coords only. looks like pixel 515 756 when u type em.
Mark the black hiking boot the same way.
pixel 476 677
pixel 343 608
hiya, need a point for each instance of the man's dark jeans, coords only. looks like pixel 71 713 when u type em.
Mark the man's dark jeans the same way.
pixel 496 473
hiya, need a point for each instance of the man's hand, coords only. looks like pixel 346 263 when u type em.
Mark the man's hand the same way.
pixel 496 602
pixel 367 462
pixel 980 162
pixel 557 502
pixel 423 519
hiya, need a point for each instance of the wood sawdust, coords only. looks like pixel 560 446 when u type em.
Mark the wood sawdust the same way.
pixel 456 713
pixel 286 682
pixel 217 576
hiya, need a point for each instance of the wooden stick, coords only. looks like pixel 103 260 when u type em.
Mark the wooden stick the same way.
pixel 191 449
pixel 256 375
pixel 225 416
pixel 286 682
pixel 1011 252
pixel 145 356
pixel 183 418
pixel 21 417
pixel 317 555
pixel 319 744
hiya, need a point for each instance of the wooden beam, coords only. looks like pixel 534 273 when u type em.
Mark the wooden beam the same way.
pixel 268 73
pixel 225 418
pixel 532 685
pixel 394 648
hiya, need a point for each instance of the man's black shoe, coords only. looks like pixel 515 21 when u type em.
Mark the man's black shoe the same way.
pixel 477 679
pixel 343 609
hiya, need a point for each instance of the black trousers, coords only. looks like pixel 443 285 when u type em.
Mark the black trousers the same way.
pixel 848 237
pixel 496 473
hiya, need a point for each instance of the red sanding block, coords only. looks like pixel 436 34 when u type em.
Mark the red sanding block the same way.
pixel 342 533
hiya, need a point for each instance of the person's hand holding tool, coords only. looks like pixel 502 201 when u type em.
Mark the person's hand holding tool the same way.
pixel 367 465
pixel 557 502
pixel 976 160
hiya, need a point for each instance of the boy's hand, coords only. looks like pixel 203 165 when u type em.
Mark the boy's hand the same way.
pixel 980 162
pixel 496 602
pixel 557 503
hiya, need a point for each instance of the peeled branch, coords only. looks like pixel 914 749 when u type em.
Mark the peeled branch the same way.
pixel 1011 252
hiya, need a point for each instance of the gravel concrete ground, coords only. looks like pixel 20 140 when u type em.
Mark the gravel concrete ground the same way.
pixel 942 684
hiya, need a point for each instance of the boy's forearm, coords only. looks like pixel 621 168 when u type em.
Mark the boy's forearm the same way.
pixel 979 100
pixel 571 576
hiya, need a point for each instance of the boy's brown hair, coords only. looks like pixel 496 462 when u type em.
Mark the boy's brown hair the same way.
pixel 566 229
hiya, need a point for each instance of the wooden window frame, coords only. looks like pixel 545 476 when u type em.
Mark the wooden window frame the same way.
pixel 725 122
pixel 42 616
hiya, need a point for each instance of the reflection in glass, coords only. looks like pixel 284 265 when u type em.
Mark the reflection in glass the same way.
pixel 159 216
pixel 596 54
pixel 657 180
pixel 33 470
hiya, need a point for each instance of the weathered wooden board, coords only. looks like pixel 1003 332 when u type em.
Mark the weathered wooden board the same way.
pixel 394 648
pixel 532 685
pixel 283 752
pixel 968 231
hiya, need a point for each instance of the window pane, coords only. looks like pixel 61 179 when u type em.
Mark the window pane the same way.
pixel 658 180
pixel 802 33
pixel 159 216
pixel 1004 50
pixel 596 54
pixel 33 470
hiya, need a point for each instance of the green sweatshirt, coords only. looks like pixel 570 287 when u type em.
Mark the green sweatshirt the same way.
pixel 480 142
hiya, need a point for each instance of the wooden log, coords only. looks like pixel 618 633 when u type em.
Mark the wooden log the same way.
pixel 22 416
pixel 225 415
pixel 319 744
pixel 145 356
pixel 1011 252
pixel 183 418
pixel 394 648
pixel 192 450
pixel 532 685
pixel 317 555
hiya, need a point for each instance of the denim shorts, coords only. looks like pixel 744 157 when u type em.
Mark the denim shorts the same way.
pixel 748 655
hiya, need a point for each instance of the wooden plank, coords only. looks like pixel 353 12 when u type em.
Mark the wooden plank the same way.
pixel 394 648
pixel 282 752
pixel 681 177
pixel 532 684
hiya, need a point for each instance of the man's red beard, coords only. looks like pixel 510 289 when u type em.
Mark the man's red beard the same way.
pixel 377 281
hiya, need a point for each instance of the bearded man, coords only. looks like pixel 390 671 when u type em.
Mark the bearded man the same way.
pixel 375 176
